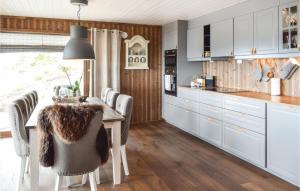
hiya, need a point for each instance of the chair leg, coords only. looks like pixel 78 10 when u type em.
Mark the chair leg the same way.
pixel 92 179
pixel 22 172
pixel 58 183
pixel 97 174
pixel 124 160
pixel 84 177
pixel 27 165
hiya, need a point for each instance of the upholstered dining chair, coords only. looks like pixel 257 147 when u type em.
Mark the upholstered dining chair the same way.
pixel 20 137
pixel 78 158
pixel 112 98
pixel 124 106
pixel 104 92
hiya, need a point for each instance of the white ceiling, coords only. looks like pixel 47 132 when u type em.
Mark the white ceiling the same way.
pixel 126 11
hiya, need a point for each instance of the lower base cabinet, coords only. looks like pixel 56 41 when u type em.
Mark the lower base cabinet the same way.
pixel 210 130
pixel 190 121
pixel 244 143
pixel 283 137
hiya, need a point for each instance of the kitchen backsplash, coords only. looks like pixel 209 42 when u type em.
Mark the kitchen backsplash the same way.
pixel 232 75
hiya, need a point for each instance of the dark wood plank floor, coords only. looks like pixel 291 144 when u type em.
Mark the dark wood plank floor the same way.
pixel 163 158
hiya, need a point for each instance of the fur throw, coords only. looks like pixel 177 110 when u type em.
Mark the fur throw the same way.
pixel 69 123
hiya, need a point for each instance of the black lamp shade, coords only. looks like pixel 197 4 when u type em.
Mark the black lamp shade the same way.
pixel 78 46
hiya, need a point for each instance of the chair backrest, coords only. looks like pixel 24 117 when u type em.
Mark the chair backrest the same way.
pixel 29 101
pixel 18 131
pixel 23 106
pixel 80 157
pixel 32 97
pixel 124 106
pixel 104 92
pixel 36 96
pixel 112 98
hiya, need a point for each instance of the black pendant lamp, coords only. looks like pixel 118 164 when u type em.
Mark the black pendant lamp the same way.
pixel 78 46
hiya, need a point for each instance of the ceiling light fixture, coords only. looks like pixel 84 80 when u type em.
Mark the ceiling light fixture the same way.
pixel 78 46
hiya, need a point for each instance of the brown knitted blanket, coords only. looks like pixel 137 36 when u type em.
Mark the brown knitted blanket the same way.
pixel 70 123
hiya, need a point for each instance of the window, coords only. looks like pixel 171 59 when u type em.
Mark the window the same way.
pixel 37 67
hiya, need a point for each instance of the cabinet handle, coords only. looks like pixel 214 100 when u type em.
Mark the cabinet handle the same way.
pixel 210 119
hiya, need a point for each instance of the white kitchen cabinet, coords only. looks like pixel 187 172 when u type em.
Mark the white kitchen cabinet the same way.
pixel 266 31
pixel 244 143
pixel 243 34
pixel 195 44
pixel 289 28
pixel 210 130
pixel 190 122
pixel 283 142
pixel 222 38
pixel 173 115
pixel 171 40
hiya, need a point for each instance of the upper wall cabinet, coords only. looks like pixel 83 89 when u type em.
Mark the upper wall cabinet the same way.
pixel 195 43
pixel 171 40
pixel 243 35
pixel 288 28
pixel 256 33
pixel 266 31
pixel 222 38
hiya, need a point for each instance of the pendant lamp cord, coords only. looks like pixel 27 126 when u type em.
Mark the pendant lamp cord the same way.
pixel 78 14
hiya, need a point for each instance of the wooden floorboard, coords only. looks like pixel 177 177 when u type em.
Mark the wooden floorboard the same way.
pixel 163 158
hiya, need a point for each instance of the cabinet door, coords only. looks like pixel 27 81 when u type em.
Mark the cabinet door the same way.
pixel 266 31
pixel 210 130
pixel 222 38
pixel 195 43
pixel 243 35
pixel 289 28
pixel 173 114
pixel 171 40
pixel 283 141
pixel 244 143
pixel 190 122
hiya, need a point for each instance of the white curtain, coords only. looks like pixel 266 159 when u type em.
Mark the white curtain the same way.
pixel 105 69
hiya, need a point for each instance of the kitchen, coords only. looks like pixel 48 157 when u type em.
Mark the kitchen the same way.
pixel 229 84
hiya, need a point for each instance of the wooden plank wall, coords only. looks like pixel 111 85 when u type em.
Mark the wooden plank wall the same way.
pixel 233 75
pixel 143 85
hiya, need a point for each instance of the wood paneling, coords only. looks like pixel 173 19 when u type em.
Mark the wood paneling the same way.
pixel 143 85
pixel 233 75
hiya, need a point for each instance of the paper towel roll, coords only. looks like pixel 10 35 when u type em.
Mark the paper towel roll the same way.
pixel 275 87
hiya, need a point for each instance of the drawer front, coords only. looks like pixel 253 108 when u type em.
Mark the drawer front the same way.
pixel 247 106
pixel 210 130
pixel 211 111
pixel 211 99
pixel 244 143
pixel 190 94
pixel 246 121
pixel 189 105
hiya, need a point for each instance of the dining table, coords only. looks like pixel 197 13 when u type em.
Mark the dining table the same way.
pixel 111 119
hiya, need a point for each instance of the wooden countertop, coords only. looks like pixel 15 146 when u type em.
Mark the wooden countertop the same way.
pixel 258 96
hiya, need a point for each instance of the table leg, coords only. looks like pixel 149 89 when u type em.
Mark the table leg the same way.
pixel 34 161
pixel 116 149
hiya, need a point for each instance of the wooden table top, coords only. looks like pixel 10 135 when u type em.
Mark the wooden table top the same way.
pixel 290 100
pixel 109 115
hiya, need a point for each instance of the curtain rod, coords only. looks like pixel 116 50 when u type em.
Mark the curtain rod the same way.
pixel 124 34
